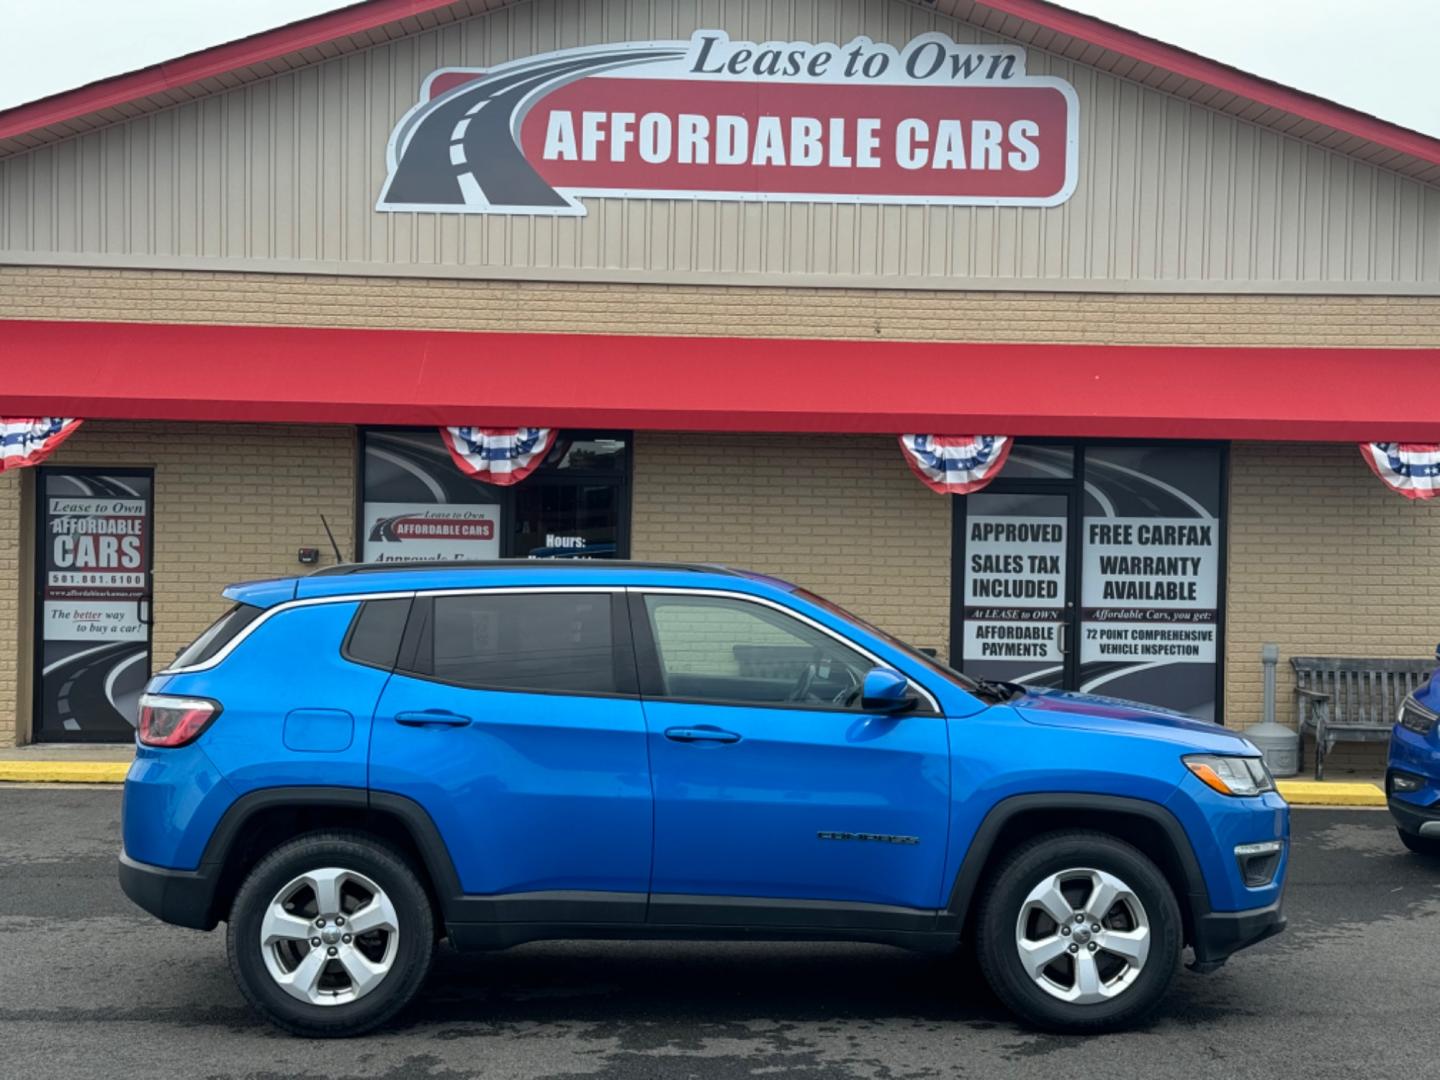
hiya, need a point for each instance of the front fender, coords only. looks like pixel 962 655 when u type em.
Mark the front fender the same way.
pixel 1194 895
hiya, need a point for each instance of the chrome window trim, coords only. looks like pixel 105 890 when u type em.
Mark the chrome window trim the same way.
pixel 792 613
pixel 494 590
pixel 269 613
pixel 351 598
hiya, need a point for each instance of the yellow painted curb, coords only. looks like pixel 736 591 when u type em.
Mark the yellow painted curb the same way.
pixel 64 772
pixel 1328 793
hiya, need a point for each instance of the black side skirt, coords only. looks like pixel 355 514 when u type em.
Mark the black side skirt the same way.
pixel 502 921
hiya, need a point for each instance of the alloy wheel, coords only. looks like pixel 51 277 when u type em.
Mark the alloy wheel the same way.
pixel 1083 936
pixel 329 937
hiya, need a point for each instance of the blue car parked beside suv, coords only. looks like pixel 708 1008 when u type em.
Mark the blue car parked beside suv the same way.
pixel 349 766
pixel 1412 776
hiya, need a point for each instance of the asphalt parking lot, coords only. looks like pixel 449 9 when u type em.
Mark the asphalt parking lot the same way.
pixel 92 987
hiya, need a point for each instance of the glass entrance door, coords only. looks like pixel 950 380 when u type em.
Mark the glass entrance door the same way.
pixel 1097 567
pixel 93 591
pixel 1018 604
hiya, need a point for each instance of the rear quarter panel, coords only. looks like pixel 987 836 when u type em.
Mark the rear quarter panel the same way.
pixel 290 664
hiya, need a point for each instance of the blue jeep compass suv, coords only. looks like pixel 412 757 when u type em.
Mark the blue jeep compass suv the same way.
pixel 349 766
pixel 1412 778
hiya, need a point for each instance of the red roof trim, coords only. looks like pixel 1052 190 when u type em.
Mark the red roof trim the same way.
pixel 1193 66
pixel 359 18
pixel 275 374
pixel 209 63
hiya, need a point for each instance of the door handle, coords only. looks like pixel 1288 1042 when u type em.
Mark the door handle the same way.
pixel 700 734
pixel 431 718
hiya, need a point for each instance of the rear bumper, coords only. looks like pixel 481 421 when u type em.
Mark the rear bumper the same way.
pixel 1220 934
pixel 182 897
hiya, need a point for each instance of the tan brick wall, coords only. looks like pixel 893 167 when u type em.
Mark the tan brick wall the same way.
pixel 1322 557
pixel 1324 560
pixel 842 516
pixel 232 502
pixel 555 307
pixel 13 625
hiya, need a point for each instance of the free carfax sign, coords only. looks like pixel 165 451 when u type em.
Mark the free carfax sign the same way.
pixel 936 122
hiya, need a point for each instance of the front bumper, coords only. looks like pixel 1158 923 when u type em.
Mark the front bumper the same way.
pixel 1220 934
pixel 182 897
pixel 1413 819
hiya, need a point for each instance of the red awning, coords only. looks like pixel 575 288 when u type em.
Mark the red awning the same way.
pixel 149 371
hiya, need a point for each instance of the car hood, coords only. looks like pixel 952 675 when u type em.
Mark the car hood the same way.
pixel 1093 712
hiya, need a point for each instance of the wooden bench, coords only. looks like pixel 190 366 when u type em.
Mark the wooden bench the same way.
pixel 1351 699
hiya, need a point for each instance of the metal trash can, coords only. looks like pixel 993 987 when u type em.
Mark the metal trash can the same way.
pixel 1278 743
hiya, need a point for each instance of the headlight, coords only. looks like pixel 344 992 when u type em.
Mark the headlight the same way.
pixel 1231 775
pixel 1415 717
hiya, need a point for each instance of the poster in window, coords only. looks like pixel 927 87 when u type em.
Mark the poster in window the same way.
pixel 94 562
pixel 1015 574
pixel 418 532
pixel 1150 575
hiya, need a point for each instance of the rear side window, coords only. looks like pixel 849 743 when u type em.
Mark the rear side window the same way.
pixel 375 632
pixel 222 631
pixel 555 642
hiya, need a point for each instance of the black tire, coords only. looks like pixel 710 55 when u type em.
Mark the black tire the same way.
pixel 1004 897
pixel 1420 845
pixel 361 854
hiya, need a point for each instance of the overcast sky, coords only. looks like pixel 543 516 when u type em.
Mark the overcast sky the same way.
pixel 1382 61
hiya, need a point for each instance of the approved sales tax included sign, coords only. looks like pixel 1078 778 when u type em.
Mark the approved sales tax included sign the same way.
pixel 936 122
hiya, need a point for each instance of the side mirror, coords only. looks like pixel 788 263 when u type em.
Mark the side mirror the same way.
pixel 885 690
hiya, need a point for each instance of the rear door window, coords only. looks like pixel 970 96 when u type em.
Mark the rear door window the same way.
pixel 550 642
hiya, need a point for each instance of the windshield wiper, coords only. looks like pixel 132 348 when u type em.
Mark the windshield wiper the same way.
pixel 1000 691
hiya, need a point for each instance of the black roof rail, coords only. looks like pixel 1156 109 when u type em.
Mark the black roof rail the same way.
pixel 519 564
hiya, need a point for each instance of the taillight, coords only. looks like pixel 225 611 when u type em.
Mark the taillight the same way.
pixel 174 721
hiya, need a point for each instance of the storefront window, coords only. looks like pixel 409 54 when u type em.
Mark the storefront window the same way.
pixel 1039 461
pixel 1150 574
pixel 418 505
pixel 1096 567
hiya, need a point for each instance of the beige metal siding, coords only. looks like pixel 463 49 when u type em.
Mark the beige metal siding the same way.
pixel 282 174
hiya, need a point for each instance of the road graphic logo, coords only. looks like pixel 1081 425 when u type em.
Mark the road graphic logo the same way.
pixel 934 123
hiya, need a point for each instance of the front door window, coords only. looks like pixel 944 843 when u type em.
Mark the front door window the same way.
pixel 722 650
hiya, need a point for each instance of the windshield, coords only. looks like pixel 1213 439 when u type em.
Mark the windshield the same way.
pixel 944 670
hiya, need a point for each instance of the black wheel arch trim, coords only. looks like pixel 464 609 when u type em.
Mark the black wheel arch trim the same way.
pixel 978 856
pixel 189 897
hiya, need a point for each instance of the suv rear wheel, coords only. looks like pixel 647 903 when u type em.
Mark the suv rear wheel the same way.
pixel 331 934
pixel 1079 932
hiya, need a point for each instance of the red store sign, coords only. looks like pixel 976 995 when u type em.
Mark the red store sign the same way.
pixel 935 122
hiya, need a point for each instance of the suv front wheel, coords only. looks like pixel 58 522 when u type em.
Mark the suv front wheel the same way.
pixel 1420 845
pixel 1079 932
pixel 331 934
